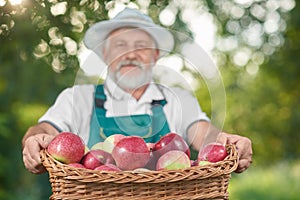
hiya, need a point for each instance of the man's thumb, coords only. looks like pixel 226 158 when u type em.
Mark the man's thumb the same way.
pixel 45 140
pixel 222 138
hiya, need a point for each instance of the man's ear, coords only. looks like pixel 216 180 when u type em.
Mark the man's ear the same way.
pixel 156 54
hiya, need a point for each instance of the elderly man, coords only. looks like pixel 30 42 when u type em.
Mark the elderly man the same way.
pixel 128 102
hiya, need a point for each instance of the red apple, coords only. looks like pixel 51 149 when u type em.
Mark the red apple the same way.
pixel 171 141
pixel 108 167
pixel 97 157
pixel 130 153
pixel 153 159
pixel 76 165
pixel 67 148
pixel 151 164
pixel 212 152
pixel 173 160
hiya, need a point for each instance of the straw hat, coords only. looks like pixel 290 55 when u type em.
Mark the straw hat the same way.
pixel 97 33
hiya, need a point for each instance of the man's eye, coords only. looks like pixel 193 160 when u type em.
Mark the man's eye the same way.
pixel 141 46
pixel 120 44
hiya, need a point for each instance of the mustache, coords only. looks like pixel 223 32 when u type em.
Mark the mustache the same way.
pixel 130 62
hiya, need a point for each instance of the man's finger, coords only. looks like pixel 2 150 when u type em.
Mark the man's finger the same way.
pixel 44 140
pixel 222 138
pixel 243 165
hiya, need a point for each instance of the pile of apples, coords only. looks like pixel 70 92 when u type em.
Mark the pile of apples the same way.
pixel 131 153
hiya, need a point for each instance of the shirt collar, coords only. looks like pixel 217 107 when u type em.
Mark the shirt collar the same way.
pixel 152 92
pixel 114 91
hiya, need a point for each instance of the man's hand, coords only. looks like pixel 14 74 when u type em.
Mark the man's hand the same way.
pixel 31 152
pixel 37 138
pixel 243 146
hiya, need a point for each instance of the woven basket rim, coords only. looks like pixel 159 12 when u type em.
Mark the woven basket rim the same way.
pixel 227 166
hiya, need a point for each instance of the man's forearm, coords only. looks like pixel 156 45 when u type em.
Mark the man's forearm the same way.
pixel 201 133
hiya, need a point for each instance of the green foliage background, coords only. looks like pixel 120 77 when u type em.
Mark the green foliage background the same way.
pixel 33 70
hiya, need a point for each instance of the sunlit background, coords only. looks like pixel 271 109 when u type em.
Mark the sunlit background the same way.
pixel 254 45
pixel 12 2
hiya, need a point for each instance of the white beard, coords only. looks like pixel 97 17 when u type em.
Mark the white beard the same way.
pixel 128 80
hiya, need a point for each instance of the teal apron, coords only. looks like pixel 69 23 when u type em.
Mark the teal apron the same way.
pixel 150 128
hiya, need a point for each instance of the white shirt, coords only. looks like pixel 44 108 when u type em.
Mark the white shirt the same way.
pixel 73 107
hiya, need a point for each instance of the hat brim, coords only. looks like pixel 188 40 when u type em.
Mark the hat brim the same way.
pixel 97 34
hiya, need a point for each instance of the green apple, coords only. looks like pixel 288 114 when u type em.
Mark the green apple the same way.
pixel 86 149
pixel 173 160
pixel 203 163
pixel 98 145
pixel 111 141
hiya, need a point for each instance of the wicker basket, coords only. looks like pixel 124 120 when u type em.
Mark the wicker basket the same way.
pixel 200 182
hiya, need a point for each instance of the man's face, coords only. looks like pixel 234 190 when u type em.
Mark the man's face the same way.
pixel 130 54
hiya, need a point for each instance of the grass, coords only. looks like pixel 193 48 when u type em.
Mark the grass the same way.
pixel 280 181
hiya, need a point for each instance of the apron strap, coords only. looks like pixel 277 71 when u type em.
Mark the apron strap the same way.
pixel 101 124
pixel 161 102
pixel 100 96
pixel 159 122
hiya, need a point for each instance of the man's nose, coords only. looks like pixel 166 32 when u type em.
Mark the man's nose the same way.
pixel 131 54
